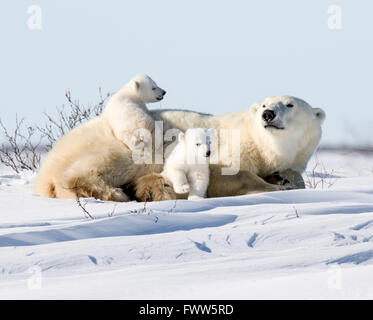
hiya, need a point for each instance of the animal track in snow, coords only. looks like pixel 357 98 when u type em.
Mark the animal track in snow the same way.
pixel 202 246
pixel 250 243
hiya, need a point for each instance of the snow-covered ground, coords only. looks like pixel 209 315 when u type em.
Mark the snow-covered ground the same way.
pixel 304 244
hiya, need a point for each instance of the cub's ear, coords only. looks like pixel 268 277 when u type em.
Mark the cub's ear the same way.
pixel 137 85
pixel 181 136
pixel 211 131
pixel 211 134
pixel 254 107
pixel 319 114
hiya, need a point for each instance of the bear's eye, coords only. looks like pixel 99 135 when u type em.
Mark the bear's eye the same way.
pixel 154 89
pixel 198 144
pixel 264 106
pixel 290 105
pixel 167 185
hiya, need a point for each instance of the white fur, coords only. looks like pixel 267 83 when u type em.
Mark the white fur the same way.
pixel 291 146
pixel 91 156
pixel 187 165
pixel 127 114
pixel 263 150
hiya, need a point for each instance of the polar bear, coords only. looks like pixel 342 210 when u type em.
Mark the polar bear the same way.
pixel 187 164
pixel 277 138
pixel 126 111
pixel 278 135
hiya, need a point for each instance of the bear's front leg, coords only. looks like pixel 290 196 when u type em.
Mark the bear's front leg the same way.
pixel 275 178
pixel 244 182
pixel 179 180
pixel 199 181
pixel 295 178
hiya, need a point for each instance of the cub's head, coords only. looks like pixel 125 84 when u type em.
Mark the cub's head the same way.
pixel 197 143
pixel 146 89
pixel 286 123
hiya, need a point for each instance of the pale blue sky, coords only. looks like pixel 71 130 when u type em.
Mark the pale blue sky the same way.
pixel 211 56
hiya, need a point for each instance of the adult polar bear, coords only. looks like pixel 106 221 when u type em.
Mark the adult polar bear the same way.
pixel 278 135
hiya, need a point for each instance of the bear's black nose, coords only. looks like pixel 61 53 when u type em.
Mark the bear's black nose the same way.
pixel 164 92
pixel 208 153
pixel 268 115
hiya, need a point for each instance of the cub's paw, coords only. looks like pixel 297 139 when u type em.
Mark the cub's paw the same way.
pixel 182 188
pixel 195 197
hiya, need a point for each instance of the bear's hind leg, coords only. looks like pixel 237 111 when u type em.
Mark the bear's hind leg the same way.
pixel 84 181
pixel 94 187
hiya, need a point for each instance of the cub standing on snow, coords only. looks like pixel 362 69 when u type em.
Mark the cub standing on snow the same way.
pixel 187 165
pixel 126 110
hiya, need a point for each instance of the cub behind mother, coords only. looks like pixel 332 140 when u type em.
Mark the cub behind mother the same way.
pixel 277 135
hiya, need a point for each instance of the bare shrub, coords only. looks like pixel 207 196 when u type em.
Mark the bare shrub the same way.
pixel 24 146
pixel 68 117
pixel 320 177
pixel 22 149
pixel 82 206
pixel 296 212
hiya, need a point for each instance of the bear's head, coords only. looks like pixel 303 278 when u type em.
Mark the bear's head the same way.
pixel 145 89
pixel 197 144
pixel 287 125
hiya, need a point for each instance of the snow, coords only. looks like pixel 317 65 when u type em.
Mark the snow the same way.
pixel 315 243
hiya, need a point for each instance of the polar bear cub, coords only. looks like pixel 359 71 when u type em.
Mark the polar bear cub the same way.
pixel 187 165
pixel 126 111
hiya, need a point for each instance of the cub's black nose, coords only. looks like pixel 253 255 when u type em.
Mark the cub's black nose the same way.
pixel 208 153
pixel 268 115
pixel 164 92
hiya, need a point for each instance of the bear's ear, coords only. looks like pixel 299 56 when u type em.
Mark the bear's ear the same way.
pixel 137 85
pixel 254 107
pixel 181 136
pixel 319 114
